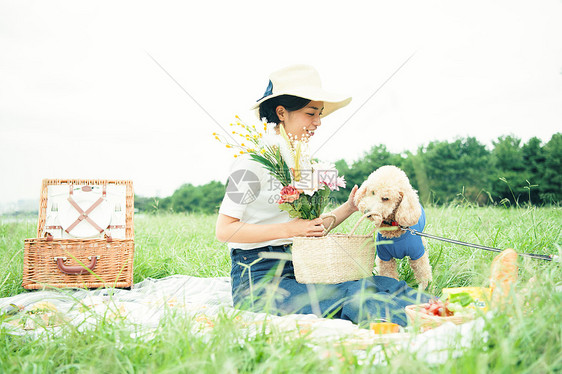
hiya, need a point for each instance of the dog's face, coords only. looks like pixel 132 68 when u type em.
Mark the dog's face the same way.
pixel 387 195
pixel 379 200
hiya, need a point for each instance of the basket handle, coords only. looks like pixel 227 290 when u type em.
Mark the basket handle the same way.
pixel 331 226
pixel 76 270
pixel 358 222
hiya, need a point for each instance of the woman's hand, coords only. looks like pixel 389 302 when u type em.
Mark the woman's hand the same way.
pixel 305 227
pixel 351 200
pixel 346 209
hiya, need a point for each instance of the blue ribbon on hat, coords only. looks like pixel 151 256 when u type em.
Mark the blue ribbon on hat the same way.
pixel 268 91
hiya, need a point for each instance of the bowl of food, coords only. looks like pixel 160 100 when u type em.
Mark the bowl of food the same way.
pixel 437 312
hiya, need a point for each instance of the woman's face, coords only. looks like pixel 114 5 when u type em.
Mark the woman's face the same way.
pixel 301 123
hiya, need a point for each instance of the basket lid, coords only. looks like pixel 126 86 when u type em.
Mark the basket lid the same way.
pixel 114 210
pixel 85 214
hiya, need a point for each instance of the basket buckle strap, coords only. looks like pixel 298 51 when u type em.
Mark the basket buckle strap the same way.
pixel 84 214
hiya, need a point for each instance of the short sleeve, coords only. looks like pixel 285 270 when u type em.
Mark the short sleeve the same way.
pixel 243 172
pixel 252 196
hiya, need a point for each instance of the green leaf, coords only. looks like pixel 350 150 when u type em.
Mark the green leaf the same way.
pixel 263 161
pixel 284 168
pixel 289 209
pixel 297 204
pixel 306 207
pixel 273 167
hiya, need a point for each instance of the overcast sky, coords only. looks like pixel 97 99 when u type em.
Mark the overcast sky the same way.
pixel 81 97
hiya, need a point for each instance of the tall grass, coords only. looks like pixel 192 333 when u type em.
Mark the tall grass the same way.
pixel 12 235
pixel 524 338
pixel 178 244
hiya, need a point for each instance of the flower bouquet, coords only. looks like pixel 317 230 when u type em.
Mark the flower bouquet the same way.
pixel 306 183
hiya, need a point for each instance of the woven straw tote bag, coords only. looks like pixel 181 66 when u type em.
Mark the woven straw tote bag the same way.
pixel 333 258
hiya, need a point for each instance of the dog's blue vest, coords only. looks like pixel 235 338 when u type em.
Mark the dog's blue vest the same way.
pixel 406 245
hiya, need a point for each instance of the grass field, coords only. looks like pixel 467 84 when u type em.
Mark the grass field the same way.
pixel 524 338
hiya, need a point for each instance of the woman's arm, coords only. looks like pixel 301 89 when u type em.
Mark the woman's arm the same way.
pixel 345 210
pixel 230 229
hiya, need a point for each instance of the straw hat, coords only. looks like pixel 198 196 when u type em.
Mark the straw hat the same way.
pixel 302 81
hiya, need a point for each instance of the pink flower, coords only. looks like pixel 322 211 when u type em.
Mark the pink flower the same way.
pixel 289 194
pixel 331 185
pixel 340 182
pixel 334 185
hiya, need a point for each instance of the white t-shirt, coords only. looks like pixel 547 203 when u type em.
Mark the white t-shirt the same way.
pixel 251 196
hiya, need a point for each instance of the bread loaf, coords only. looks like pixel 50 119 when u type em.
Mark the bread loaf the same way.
pixel 503 275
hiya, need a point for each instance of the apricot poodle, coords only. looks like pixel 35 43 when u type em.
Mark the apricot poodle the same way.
pixel 389 201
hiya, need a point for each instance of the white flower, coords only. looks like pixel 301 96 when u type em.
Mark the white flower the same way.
pixel 270 141
pixel 287 153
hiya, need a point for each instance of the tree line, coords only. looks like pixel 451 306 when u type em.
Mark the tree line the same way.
pixel 511 173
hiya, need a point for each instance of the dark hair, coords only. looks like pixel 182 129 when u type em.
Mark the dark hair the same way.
pixel 289 102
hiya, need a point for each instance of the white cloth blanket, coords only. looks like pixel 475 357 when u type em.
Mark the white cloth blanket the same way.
pixel 204 300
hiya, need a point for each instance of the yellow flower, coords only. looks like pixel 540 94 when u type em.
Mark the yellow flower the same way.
pixel 228 146
pixel 297 162
pixel 284 134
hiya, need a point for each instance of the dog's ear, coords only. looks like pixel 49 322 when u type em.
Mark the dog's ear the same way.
pixel 409 210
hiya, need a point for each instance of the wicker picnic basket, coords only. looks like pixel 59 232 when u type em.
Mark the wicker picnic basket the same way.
pixel 333 258
pixel 85 235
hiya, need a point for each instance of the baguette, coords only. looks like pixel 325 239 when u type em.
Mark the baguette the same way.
pixel 503 275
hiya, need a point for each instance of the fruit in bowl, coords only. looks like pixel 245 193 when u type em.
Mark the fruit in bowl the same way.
pixel 437 308
pixel 437 312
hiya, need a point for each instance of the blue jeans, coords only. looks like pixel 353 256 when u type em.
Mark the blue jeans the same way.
pixel 269 285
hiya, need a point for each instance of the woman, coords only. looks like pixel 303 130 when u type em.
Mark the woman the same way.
pixel 253 225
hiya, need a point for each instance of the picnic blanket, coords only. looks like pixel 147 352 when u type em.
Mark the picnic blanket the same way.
pixel 204 300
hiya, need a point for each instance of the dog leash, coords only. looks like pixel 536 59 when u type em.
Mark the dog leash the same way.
pixel 531 255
